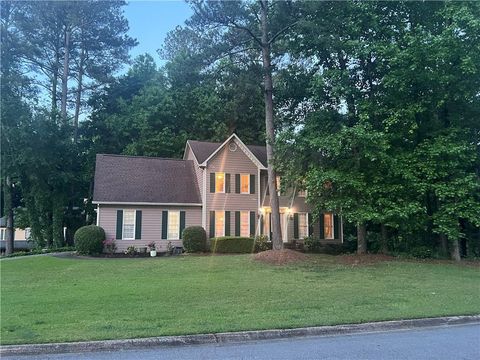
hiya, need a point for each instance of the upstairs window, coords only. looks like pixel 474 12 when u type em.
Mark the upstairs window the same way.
pixel 302 225
pixel 328 225
pixel 245 183
pixel 302 193
pixel 128 224
pixel 219 182
pixel 277 181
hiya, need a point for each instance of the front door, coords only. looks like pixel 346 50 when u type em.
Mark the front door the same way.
pixel 283 225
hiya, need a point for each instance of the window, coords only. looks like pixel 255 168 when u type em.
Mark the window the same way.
pixel 245 183
pixel 328 225
pixel 302 193
pixel 2 234
pixel 128 225
pixel 219 182
pixel 219 223
pixel 277 179
pixel 302 225
pixel 173 225
pixel 244 223
pixel 28 233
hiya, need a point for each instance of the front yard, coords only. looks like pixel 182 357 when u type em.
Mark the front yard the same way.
pixel 48 299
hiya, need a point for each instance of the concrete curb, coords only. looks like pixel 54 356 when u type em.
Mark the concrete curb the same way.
pixel 231 337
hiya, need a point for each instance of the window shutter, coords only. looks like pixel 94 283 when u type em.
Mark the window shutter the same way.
pixel 182 223
pixel 336 227
pixel 227 223
pixel 237 223
pixel 212 224
pixel 237 183
pixel 322 230
pixel 262 224
pixel 310 224
pixel 212 182
pixel 252 222
pixel 227 183
pixel 252 184
pixel 138 224
pixel 119 234
pixel 295 226
pixel 164 224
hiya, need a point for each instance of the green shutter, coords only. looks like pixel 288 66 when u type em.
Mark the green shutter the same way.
pixel 322 230
pixel 138 224
pixel 336 227
pixel 310 224
pixel 164 224
pixel 227 223
pixel 212 182
pixel 252 184
pixel 237 183
pixel 182 223
pixel 212 224
pixel 118 235
pixel 227 183
pixel 262 224
pixel 252 222
pixel 237 223
pixel 295 226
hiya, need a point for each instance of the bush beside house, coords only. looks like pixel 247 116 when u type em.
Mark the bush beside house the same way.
pixel 194 239
pixel 232 245
pixel 89 240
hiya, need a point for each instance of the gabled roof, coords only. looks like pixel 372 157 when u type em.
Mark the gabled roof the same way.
pixel 138 179
pixel 203 150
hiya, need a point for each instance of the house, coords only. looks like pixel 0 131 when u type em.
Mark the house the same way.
pixel 20 239
pixel 219 186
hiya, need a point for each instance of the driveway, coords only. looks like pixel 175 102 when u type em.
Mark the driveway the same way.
pixel 452 342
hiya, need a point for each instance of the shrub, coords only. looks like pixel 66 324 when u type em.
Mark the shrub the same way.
pixel 312 244
pixel 152 246
pixel 261 243
pixel 89 240
pixel 194 239
pixel 232 245
pixel 131 251
pixel 109 246
pixel 421 252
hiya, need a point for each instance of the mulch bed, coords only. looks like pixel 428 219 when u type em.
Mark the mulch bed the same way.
pixel 280 257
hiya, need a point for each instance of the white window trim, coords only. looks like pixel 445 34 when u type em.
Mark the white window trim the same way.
pixel 168 225
pixel 248 191
pixel 333 227
pixel 224 222
pixel 224 182
pixel 3 232
pixel 248 222
pixel 134 223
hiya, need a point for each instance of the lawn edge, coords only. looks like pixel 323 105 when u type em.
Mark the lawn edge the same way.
pixel 232 337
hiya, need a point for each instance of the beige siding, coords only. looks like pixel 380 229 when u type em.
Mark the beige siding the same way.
pixel 151 224
pixel 236 162
pixel 198 170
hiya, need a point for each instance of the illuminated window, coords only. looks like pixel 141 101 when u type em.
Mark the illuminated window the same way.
pixel 245 183
pixel 244 223
pixel 277 179
pixel 173 225
pixel 128 224
pixel 328 225
pixel 219 182
pixel 302 225
pixel 302 193
pixel 219 223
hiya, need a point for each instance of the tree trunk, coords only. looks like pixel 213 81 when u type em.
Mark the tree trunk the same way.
pixel 79 94
pixel 384 239
pixel 57 223
pixel 277 242
pixel 444 244
pixel 65 76
pixel 9 231
pixel 455 250
pixel 361 239
pixel 56 66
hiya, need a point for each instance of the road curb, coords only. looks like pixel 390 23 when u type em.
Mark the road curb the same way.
pixel 231 337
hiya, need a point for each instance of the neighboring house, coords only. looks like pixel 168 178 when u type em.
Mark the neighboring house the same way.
pixel 220 186
pixel 20 238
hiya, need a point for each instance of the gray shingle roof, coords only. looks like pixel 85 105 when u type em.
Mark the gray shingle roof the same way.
pixel 203 149
pixel 145 179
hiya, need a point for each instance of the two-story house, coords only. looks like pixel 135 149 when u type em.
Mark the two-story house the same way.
pixel 219 186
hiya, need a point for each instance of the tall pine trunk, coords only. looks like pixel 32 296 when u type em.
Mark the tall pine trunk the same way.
pixel 8 203
pixel 79 94
pixel 444 244
pixel 277 242
pixel 361 238
pixel 65 76
pixel 384 239
pixel 455 250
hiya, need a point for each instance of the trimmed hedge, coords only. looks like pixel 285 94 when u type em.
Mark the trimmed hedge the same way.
pixel 232 245
pixel 194 239
pixel 89 240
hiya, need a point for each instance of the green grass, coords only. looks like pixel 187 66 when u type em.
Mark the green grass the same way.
pixel 48 299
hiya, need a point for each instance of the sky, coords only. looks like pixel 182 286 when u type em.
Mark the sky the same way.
pixel 150 21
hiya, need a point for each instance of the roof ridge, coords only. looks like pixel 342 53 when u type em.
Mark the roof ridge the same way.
pixel 144 157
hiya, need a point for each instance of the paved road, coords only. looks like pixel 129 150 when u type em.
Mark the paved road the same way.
pixel 454 342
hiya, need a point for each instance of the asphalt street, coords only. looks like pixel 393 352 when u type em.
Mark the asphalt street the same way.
pixel 448 342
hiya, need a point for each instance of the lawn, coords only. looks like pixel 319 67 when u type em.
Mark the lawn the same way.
pixel 48 299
